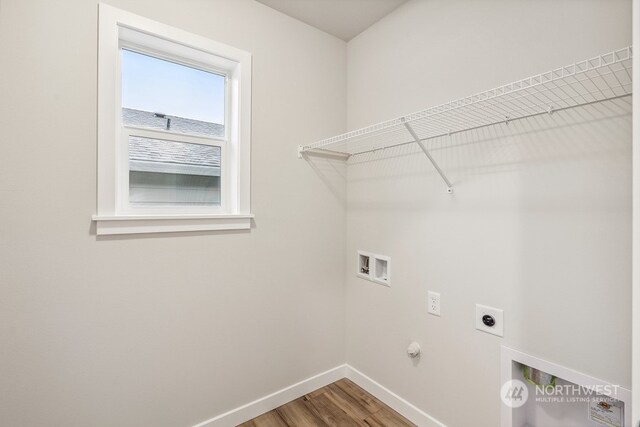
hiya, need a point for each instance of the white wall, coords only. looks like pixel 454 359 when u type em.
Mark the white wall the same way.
pixel 163 330
pixel 539 223
pixel 636 221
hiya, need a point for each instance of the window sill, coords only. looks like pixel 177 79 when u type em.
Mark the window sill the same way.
pixel 137 224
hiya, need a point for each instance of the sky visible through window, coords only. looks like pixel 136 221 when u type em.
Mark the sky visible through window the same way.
pixel 159 86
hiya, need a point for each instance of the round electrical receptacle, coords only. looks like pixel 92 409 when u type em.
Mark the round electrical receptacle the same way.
pixel 488 320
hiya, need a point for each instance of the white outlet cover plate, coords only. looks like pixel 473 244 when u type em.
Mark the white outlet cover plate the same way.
pixel 433 303
pixel 498 315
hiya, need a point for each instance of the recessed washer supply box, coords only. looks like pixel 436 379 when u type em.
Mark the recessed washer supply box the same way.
pixel 373 267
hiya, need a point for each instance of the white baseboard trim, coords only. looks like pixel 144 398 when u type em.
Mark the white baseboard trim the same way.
pixel 265 404
pixel 403 407
pixel 258 407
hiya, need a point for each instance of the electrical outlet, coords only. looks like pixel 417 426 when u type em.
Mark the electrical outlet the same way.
pixel 489 320
pixel 433 300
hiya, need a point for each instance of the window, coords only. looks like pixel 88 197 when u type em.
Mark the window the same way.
pixel 173 129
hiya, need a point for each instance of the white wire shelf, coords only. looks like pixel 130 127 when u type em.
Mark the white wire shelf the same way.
pixel 598 79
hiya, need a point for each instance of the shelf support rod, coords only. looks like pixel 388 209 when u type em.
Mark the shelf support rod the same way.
pixel 426 152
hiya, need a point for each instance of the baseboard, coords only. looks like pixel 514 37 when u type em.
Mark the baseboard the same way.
pixel 265 404
pixel 400 405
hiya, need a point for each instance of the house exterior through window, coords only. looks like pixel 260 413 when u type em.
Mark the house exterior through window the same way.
pixel 173 129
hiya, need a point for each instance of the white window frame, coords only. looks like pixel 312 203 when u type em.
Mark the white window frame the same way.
pixel 115 215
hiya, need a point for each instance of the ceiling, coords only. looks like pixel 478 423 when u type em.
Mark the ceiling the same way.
pixel 344 19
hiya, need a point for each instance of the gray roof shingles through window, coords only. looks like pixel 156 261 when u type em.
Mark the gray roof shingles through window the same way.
pixel 168 151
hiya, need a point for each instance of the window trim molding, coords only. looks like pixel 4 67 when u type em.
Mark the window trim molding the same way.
pixel 136 224
pixel 110 217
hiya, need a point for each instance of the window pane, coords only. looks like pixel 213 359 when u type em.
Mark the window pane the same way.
pixel 176 173
pixel 161 94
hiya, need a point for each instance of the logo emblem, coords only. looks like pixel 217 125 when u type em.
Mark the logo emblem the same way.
pixel 514 393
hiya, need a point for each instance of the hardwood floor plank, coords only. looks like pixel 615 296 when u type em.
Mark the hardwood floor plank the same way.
pixel 270 419
pixel 368 401
pixel 341 404
pixel 347 403
pixel 297 413
pixel 387 417
pixel 332 414
pixel 315 393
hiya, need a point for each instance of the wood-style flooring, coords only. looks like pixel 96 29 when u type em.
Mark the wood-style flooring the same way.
pixel 339 404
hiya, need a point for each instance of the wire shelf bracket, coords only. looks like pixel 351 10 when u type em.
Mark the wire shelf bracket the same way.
pixel 418 141
pixel 604 77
